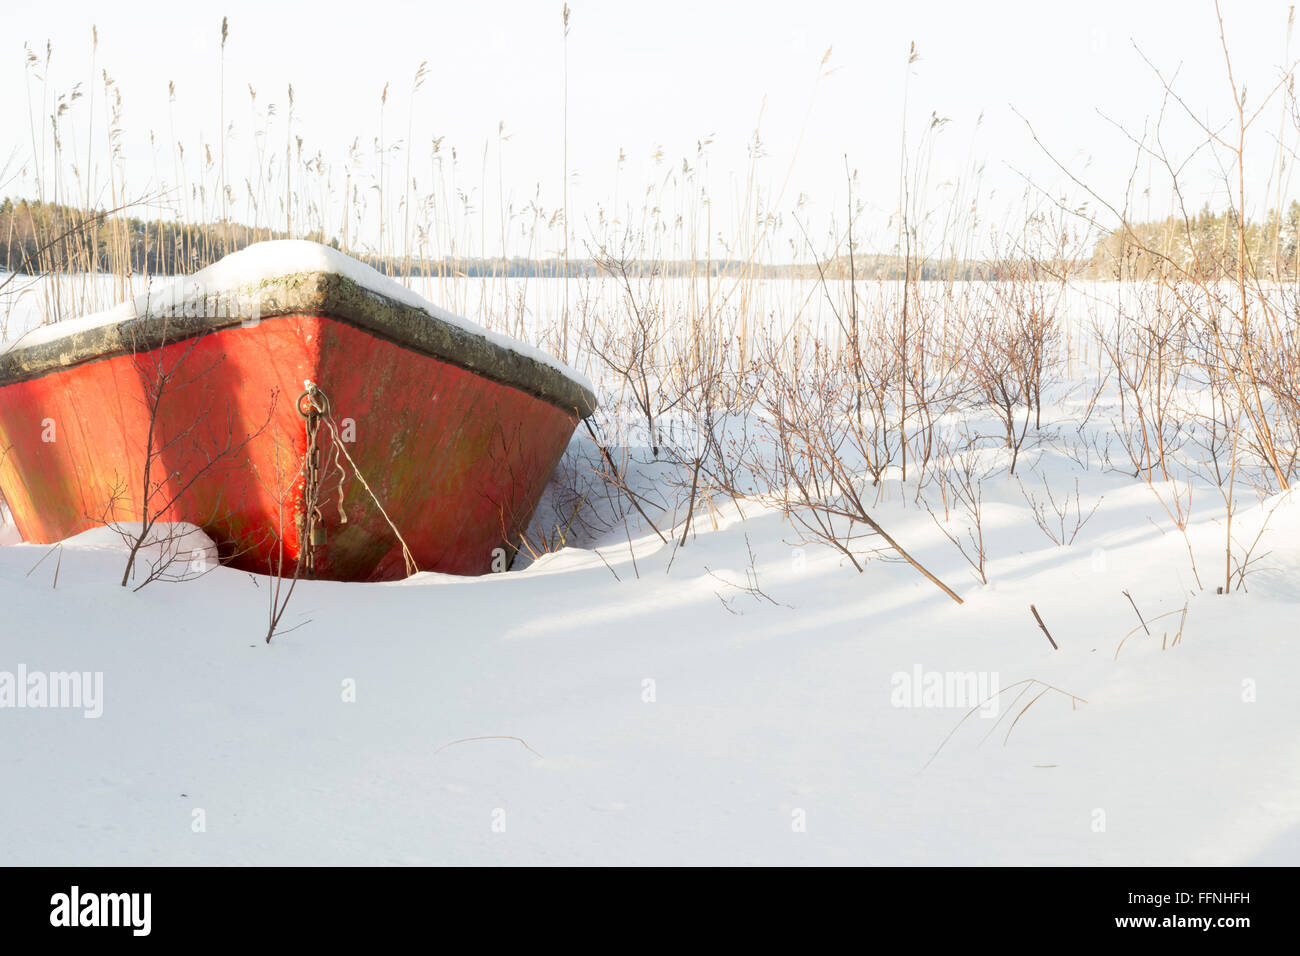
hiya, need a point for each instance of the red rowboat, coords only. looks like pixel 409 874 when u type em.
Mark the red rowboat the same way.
pixel 297 406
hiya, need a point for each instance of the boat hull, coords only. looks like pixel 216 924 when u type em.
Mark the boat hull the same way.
pixel 423 452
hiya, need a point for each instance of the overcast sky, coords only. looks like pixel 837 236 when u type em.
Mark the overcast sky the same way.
pixel 665 75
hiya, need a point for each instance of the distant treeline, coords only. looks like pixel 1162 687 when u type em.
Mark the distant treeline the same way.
pixel 44 237
pixel 892 268
pixel 40 237
pixel 1205 244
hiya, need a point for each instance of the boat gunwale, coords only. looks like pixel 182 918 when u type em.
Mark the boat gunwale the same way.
pixel 322 293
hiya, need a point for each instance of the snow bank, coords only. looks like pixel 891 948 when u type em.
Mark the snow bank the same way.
pixel 598 710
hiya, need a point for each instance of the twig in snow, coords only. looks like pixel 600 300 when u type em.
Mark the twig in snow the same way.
pixel 1033 610
pixel 751 587
pixel 57 547
pixel 607 564
pixel 1137 612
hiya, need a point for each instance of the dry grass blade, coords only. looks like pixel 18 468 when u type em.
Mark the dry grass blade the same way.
pixel 465 740
pixel 1025 686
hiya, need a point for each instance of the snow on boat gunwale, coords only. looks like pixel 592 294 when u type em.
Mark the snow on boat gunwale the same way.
pixel 455 429
pixel 280 277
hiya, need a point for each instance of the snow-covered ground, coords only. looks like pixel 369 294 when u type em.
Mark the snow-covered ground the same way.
pixel 745 698
pixel 665 718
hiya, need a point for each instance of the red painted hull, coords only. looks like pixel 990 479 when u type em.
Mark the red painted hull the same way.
pixel 457 460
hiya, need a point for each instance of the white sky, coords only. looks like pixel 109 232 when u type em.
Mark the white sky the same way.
pixel 669 73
